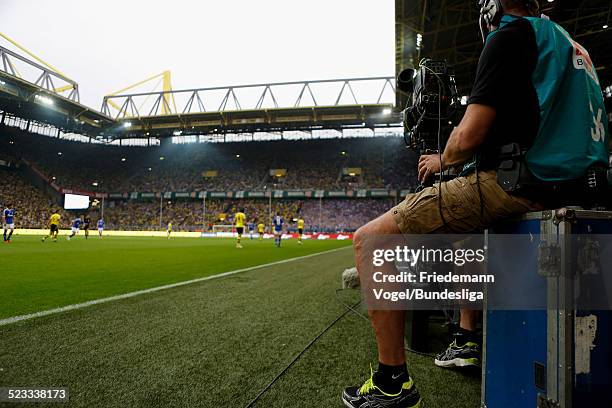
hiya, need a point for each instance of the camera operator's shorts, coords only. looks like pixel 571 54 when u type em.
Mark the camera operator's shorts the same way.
pixel 461 206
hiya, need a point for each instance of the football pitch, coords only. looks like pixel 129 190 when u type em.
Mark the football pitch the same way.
pixel 210 343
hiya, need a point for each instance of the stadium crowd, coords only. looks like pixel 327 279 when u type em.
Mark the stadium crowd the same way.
pixel 329 215
pixel 32 205
pixel 33 208
pixel 344 215
pixel 280 165
pixel 312 164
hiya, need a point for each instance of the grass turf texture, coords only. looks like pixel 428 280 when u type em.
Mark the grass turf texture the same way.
pixel 215 344
pixel 47 275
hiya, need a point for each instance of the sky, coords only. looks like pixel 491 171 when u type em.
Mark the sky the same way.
pixel 107 45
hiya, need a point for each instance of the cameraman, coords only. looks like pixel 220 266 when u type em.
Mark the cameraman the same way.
pixel 534 86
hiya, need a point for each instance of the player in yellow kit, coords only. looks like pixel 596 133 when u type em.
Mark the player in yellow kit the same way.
pixel 239 220
pixel 300 223
pixel 260 230
pixel 53 227
pixel 169 230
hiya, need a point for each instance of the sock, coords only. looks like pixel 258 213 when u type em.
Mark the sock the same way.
pixel 463 336
pixel 5 235
pixel 391 378
pixel 10 235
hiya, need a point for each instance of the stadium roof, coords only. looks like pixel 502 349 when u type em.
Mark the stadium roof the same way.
pixel 448 29
pixel 41 96
pixel 442 29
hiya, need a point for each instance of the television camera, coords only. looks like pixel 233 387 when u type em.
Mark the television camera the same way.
pixel 432 103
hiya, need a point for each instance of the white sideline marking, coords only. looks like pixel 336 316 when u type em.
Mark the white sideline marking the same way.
pixel 75 306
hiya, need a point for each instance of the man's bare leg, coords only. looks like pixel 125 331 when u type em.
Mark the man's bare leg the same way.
pixel 391 383
pixel 388 324
pixel 469 319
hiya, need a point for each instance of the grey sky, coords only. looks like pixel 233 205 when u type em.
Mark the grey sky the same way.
pixel 106 45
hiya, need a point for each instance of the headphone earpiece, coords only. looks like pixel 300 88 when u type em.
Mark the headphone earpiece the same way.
pixel 495 10
pixel 491 12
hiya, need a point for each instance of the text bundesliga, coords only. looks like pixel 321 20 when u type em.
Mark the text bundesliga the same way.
pixel 418 294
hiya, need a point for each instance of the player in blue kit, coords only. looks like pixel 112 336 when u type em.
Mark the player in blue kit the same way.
pixel 9 223
pixel 100 226
pixel 251 226
pixel 278 229
pixel 76 224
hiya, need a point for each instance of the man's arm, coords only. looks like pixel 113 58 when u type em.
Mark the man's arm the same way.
pixel 508 57
pixel 463 142
pixel 469 135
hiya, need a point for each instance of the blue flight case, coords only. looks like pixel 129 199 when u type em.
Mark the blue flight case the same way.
pixel 555 356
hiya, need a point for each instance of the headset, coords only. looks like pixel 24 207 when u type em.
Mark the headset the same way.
pixel 491 12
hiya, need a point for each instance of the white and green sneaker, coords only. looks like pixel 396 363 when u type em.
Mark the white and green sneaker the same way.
pixel 465 355
pixel 370 396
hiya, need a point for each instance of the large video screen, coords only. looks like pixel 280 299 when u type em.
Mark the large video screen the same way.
pixel 76 202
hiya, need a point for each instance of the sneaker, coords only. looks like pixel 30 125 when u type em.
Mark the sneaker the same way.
pixel 369 396
pixel 459 356
pixel 238 246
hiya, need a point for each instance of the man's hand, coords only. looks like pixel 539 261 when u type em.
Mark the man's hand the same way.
pixel 429 164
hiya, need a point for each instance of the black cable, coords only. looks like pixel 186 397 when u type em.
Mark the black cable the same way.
pixel 440 179
pixel 297 357
pixel 481 202
pixel 349 309
pixel 479 189
pixel 352 309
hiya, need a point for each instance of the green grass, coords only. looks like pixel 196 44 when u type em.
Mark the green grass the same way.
pixel 43 276
pixel 215 343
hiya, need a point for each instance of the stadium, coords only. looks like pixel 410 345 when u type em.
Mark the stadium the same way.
pixel 192 238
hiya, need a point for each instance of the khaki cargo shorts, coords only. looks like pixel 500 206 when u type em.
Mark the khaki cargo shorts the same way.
pixel 419 213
